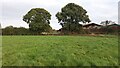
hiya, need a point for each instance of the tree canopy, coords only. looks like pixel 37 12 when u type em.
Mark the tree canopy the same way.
pixel 38 20
pixel 71 15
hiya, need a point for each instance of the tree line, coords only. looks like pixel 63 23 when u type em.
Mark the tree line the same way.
pixel 110 29
pixel 38 20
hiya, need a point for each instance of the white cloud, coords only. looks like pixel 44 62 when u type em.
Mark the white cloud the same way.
pixel 98 10
pixel 15 23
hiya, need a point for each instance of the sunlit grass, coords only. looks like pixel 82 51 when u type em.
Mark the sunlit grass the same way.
pixel 60 51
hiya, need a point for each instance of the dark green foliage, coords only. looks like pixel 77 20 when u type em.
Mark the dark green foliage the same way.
pixel 38 20
pixel 70 16
pixel 10 30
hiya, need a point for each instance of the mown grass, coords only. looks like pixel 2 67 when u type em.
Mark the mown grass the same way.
pixel 59 51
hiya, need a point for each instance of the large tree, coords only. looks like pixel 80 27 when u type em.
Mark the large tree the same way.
pixel 38 20
pixel 70 16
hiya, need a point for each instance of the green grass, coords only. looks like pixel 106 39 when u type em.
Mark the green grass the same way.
pixel 59 51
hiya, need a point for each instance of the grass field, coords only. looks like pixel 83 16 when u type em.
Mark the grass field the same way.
pixel 59 51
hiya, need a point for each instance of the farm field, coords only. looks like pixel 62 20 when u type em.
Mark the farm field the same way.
pixel 59 51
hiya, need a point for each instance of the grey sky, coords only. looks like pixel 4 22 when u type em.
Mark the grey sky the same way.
pixel 13 10
pixel 119 12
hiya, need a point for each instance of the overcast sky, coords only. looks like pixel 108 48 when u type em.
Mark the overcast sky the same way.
pixel 12 11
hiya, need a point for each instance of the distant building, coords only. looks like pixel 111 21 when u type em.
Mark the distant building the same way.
pixel 92 26
pixel 114 26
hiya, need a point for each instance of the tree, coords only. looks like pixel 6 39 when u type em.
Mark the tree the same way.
pixel 38 20
pixel 105 27
pixel 71 15
pixel 21 31
pixel 9 30
pixel 107 22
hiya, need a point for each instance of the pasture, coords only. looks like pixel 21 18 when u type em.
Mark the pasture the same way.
pixel 59 51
